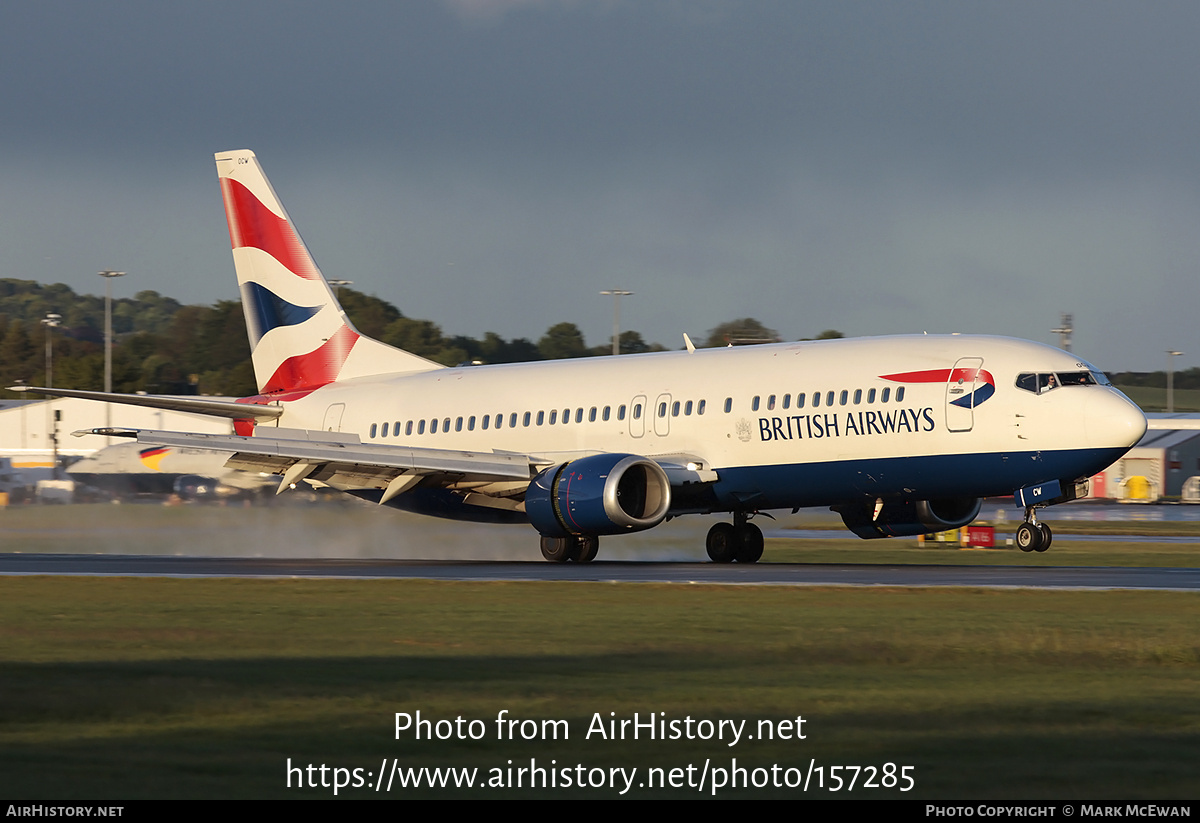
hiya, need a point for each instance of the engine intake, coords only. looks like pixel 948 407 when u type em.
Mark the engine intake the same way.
pixel 909 517
pixel 598 494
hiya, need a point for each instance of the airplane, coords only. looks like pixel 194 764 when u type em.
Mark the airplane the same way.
pixel 132 468
pixel 901 435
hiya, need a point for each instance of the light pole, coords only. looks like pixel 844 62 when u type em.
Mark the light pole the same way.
pixel 1171 379
pixel 337 287
pixel 617 294
pixel 108 276
pixel 51 322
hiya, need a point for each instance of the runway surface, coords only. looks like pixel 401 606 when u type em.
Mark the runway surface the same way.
pixel 780 574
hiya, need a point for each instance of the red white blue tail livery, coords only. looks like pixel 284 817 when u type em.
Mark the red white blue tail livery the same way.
pixel 300 338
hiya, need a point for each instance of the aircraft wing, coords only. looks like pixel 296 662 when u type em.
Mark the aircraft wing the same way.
pixel 342 460
pixel 194 405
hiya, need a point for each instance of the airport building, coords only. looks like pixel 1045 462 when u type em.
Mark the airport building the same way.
pixel 29 428
pixel 1164 463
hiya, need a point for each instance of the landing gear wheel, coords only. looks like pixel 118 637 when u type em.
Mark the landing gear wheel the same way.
pixel 1047 537
pixel 749 543
pixel 721 544
pixel 1029 538
pixel 558 549
pixel 586 547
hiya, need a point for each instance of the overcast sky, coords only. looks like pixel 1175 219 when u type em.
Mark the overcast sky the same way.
pixel 491 166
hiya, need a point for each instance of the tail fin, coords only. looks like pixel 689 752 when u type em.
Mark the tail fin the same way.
pixel 300 338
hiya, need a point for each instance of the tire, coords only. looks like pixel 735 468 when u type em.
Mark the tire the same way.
pixel 749 543
pixel 586 547
pixel 1028 537
pixel 557 549
pixel 721 543
pixel 1047 537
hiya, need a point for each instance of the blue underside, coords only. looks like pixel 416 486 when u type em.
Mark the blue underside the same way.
pixel 803 485
pixel 914 478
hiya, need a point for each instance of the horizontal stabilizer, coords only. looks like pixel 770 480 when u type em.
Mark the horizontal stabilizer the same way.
pixel 192 405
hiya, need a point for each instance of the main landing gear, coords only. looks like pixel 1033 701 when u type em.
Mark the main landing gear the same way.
pixel 1033 536
pixel 739 540
pixel 579 548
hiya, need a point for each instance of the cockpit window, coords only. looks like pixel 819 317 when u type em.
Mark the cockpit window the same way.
pixel 1048 381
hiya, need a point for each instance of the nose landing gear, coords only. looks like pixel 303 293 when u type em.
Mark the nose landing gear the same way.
pixel 1033 536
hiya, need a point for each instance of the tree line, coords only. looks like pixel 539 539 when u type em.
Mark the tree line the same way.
pixel 161 346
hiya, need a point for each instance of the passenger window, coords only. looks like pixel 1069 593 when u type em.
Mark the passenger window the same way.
pixel 800 400
pixel 771 403
pixel 687 409
pixel 604 415
pixel 512 420
pixel 420 427
pixel 579 415
pixel 592 415
pixel 857 396
pixel 754 403
pixel 700 407
pixel 675 409
pixel 787 401
pixel 816 399
pixel 828 398
pixel 566 415
pixel 899 394
pixel 457 424
pixel 844 396
pixel 728 405
pixel 883 397
pixel 553 417
pixel 484 421
pixel 870 396
pixel 541 418
pixel 433 424
pixel 662 409
pixel 525 420
pixel 471 423
pixel 373 427
pixel 408 429
pixel 383 430
pixel 637 411
pixel 621 412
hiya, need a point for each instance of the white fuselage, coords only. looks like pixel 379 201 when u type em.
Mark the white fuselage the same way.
pixel 749 415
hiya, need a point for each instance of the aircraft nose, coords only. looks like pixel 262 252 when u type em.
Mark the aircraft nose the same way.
pixel 1113 420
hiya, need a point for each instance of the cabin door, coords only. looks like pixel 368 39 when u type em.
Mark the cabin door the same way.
pixel 961 393
pixel 333 418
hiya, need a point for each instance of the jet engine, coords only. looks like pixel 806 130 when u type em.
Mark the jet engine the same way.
pixel 598 494
pixel 908 517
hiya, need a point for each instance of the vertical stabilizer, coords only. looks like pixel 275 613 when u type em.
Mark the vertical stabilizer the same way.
pixel 300 338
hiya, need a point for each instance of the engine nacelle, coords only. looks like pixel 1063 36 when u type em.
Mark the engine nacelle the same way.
pixel 599 494
pixel 909 517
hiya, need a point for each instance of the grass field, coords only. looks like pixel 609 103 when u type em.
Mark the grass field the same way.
pixel 123 688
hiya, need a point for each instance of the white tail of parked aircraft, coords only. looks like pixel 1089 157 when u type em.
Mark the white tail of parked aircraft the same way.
pixel 902 435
